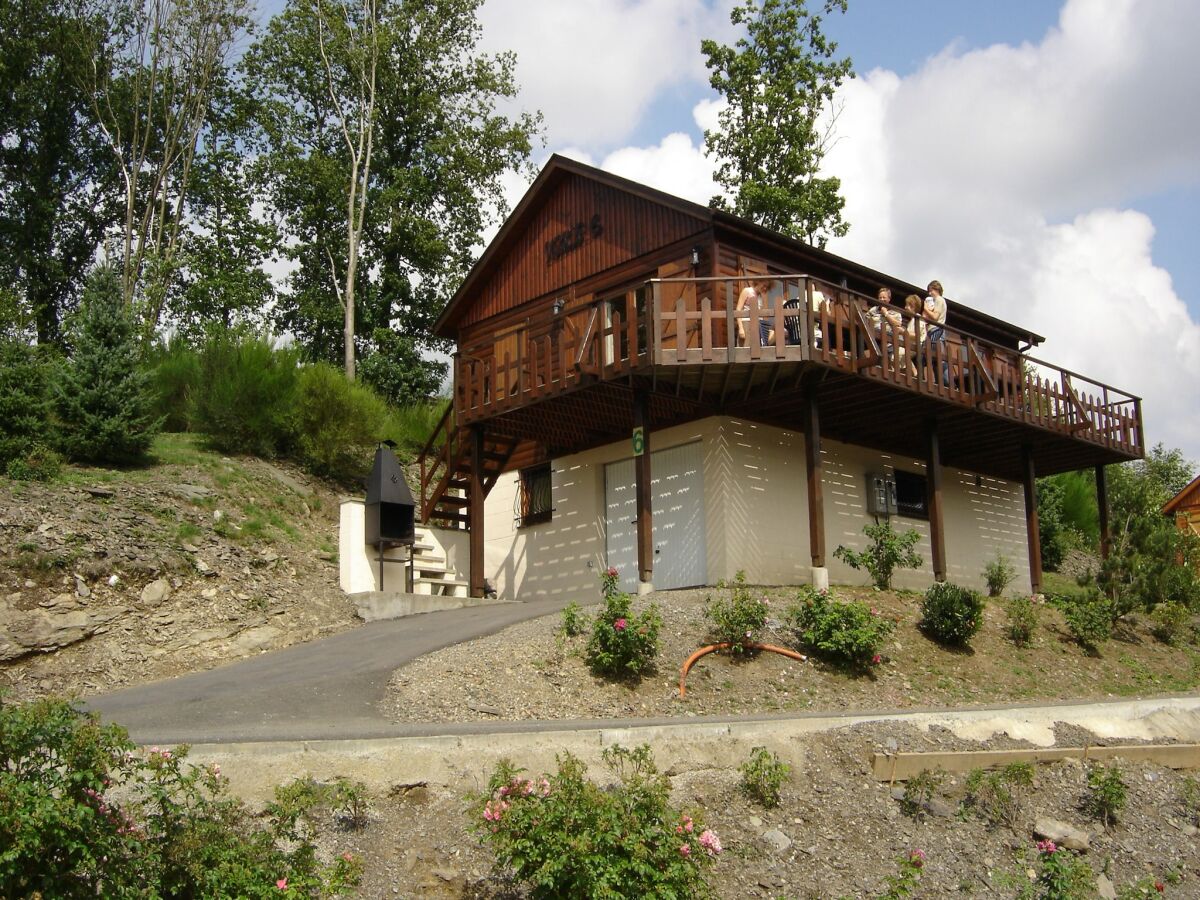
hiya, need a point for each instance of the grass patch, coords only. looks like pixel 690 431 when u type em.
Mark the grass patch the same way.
pixel 179 449
pixel 186 531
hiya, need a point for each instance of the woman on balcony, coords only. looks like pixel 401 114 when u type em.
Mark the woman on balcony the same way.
pixel 758 293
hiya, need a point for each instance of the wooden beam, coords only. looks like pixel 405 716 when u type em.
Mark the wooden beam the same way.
pixel 476 494
pixel 645 508
pixel 1031 519
pixel 1102 506
pixel 812 460
pixel 933 490
pixel 903 766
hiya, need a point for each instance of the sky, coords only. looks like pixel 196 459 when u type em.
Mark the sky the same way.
pixel 1041 159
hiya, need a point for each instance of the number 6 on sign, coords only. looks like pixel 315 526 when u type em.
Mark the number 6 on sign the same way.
pixel 639 441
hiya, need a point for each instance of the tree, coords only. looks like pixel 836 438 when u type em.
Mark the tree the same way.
pixel 103 400
pixel 779 83
pixel 150 93
pixel 397 371
pixel 56 194
pixel 384 160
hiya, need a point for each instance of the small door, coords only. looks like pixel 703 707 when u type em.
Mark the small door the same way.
pixel 677 492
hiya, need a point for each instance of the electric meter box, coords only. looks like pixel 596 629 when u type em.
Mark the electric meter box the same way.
pixel 881 494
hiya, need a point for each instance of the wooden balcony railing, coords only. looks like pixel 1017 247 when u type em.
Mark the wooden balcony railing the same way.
pixel 672 322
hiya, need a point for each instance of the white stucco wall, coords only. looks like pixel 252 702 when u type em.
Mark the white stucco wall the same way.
pixel 357 569
pixel 756 515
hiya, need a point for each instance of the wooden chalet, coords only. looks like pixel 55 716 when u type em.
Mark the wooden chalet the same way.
pixel 1184 508
pixel 594 338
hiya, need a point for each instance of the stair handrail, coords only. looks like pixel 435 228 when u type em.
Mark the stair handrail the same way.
pixel 444 425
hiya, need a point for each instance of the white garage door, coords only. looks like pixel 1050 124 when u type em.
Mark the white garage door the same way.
pixel 677 499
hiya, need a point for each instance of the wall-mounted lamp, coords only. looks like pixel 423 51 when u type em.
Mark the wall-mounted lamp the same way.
pixel 695 256
pixel 558 305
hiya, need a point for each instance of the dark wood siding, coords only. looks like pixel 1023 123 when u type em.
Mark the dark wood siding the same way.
pixel 631 227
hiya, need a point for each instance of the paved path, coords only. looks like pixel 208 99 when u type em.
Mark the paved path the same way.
pixel 327 688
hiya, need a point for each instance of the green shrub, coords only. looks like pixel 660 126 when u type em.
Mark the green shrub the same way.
pixel 574 622
pixel 622 645
pixel 920 790
pixel 951 614
pixel 1169 622
pixel 37 463
pixel 24 399
pixel 1089 618
pixel 1062 875
pixel 175 375
pixel 349 802
pixel 412 425
pixel 763 775
pixel 1106 793
pixel 561 835
pixel 737 618
pixel 887 551
pixel 103 399
pixel 997 796
pixel 337 423
pixel 1022 620
pixel 998 574
pixel 244 400
pixel 84 813
pixel 908 873
pixel 850 632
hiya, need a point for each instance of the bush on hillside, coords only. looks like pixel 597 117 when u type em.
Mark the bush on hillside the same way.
pixel 562 835
pixel 337 422
pixel 951 614
pixel 24 399
pixel 245 397
pixel 102 397
pixel 175 374
pixel 1090 617
pixel 622 645
pixel 849 632
pixel 887 552
pixel 737 618
pixel 85 813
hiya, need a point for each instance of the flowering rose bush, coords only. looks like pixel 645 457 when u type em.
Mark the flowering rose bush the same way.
pixel 622 645
pixel 563 836
pixel 951 614
pixel 83 812
pixel 850 632
pixel 737 618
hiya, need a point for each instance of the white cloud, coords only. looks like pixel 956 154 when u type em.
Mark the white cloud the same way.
pixel 593 67
pixel 676 165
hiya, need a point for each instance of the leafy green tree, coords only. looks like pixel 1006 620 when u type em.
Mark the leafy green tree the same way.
pixel 24 399
pixel 103 400
pixel 779 82
pixel 56 180
pixel 398 372
pixel 380 235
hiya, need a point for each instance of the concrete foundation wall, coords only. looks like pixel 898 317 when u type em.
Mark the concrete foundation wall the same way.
pixel 756 515
pixel 358 572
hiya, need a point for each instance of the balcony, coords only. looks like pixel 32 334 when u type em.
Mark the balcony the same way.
pixel 874 378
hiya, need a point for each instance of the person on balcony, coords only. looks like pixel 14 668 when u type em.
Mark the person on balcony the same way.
pixel 935 318
pixel 757 293
pixel 914 327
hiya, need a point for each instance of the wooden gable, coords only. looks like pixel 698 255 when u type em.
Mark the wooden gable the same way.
pixel 568 228
pixel 1186 501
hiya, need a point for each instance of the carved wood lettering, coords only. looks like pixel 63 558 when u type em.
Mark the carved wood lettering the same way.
pixel 573 238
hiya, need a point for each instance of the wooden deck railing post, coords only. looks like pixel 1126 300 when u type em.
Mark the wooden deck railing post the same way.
pixel 1031 519
pixel 475 497
pixel 1102 506
pixel 645 506
pixel 933 488
pixel 816 503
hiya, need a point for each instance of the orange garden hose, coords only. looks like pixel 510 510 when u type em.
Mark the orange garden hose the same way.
pixel 691 660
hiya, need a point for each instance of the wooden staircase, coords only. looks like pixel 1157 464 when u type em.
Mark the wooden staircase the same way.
pixel 446 471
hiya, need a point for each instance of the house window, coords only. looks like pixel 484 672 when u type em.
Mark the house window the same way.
pixel 535 497
pixel 911 495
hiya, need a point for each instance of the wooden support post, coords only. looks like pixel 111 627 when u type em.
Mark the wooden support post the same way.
pixel 812 459
pixel 1102 505
pixel 933 489
pixel 645 504
pixel 475 496
pixel 1031 519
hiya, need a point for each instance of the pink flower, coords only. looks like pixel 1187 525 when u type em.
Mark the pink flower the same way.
pixel 281 884
pixel 1047 847
pixel 876 659
pixel 710 842
pixel 620 624
pixel 612 572
pixel 685 851
pixel 917 858
pixel 687 824
pixel 348 856
pixel 1160 887
pixel 874 611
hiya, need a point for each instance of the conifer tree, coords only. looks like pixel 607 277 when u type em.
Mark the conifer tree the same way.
pixel 103 400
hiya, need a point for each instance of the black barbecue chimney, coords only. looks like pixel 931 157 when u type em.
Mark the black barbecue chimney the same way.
pixel 390 507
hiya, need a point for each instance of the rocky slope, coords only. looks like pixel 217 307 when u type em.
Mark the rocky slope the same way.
pixel 110 578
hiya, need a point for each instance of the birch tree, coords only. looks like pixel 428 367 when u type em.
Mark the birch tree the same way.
pixel 151 96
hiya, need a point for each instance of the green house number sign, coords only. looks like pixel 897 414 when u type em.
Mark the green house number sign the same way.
pixel 639 441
